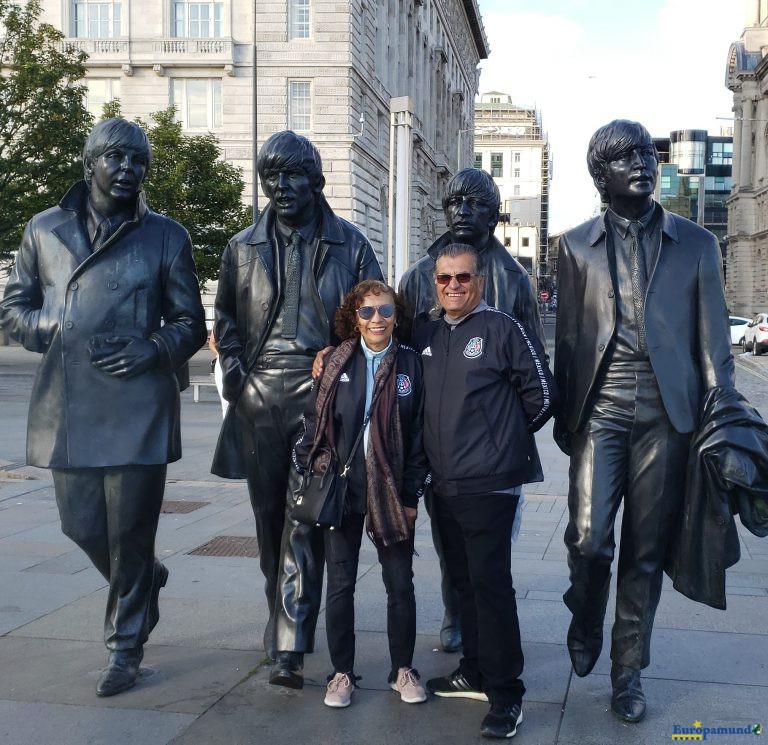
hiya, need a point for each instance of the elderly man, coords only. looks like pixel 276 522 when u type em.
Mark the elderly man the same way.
pixel 471 206
pixel 280 284
pixel 106 290
pixel 642 334
pixel 487 390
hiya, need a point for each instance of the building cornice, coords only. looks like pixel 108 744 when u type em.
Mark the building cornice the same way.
pixel 476 25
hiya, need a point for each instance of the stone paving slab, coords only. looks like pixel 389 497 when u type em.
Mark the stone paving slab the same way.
pixel 176 679
pixel 190 622
pixel 588 720
pixel 257 714
pixel 26 596
pixel 23 723
pixel 705 656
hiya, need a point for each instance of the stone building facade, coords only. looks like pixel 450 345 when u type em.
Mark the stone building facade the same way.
pixel 323 68
pixel 747 76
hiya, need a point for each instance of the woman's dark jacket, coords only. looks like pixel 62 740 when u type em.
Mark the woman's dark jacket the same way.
pixel 348 415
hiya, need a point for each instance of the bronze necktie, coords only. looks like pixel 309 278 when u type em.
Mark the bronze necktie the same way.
pixel 639 282
pixel 292 287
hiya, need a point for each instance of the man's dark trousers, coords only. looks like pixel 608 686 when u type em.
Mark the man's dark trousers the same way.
pixel 270 412
pixel 476 531
pixel 627 448
pixel 112 514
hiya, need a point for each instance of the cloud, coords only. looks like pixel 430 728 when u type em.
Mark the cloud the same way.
pixel 664 69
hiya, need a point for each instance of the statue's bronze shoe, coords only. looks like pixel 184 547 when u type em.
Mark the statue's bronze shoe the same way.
pixel 628 700
pixel 120 673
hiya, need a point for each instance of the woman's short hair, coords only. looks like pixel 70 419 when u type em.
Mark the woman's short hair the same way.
pixel 345 321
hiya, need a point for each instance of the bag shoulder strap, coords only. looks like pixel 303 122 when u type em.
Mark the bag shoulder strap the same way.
pixel 359 437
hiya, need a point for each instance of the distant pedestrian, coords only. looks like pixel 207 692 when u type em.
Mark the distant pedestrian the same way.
pixel 218 375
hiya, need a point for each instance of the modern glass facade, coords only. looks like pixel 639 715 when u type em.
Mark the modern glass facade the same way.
pixel 695 178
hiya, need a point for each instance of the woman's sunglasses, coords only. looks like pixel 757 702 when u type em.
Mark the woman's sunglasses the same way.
pixel 366 312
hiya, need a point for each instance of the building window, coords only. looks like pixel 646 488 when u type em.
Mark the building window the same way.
pixel 525 242
pixel 517 173
pixel 197 102
pixel 196 20
pixel 298 23
pixel 299 104
pixel 516 157
pixel 495 99
pixel 478 160
pixel 516 190
pixel 96 20
pixel 497 164
pixel 101 91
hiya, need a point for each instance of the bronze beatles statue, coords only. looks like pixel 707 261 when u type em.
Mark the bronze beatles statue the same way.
pixel 280 284
pixel 106 290
pixel 642 334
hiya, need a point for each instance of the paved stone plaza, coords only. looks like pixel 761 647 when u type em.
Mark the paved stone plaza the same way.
pixel 204 681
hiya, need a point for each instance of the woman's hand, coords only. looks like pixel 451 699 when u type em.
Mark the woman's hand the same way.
pixel 410 514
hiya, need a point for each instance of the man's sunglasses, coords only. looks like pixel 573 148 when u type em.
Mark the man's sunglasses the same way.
pixel 463 278
pixel 366 312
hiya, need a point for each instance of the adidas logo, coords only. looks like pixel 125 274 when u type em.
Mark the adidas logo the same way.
pixel 344 378
pixel 427 352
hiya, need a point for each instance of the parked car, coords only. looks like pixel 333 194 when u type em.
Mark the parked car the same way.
pixel 738 324
pixel 756 334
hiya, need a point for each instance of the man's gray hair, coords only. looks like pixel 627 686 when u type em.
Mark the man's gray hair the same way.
pixel 460 249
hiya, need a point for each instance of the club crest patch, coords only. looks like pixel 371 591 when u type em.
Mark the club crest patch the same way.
pixel 474 347
pixel 404 387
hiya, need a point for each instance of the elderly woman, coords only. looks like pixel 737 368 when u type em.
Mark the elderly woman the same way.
pixel 370 370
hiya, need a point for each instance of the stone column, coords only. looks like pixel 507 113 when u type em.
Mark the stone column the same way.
pixel 761 115
pixel 737 114
pixel 753 13
pixel 747 123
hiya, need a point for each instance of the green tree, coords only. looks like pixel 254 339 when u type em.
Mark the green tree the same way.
pixel 43 121
pixel 190 183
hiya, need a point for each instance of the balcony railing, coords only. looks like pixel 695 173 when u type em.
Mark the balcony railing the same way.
pixel 155 52
pixel 99 49
pixel 220 49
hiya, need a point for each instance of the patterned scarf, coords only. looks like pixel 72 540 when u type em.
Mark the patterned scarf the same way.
pixel 386 520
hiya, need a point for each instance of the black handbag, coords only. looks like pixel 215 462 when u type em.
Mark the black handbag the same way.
pixel 321 497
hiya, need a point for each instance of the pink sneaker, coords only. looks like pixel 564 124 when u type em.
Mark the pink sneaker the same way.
pixel 338 693
pixel 408 685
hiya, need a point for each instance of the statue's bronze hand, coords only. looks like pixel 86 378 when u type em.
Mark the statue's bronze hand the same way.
pixel 136 357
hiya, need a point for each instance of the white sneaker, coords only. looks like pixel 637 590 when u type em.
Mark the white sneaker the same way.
pixel 408 685
pixel 338 693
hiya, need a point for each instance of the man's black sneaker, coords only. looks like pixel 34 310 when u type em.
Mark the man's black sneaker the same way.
pixel 502 721
pixel 455 685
